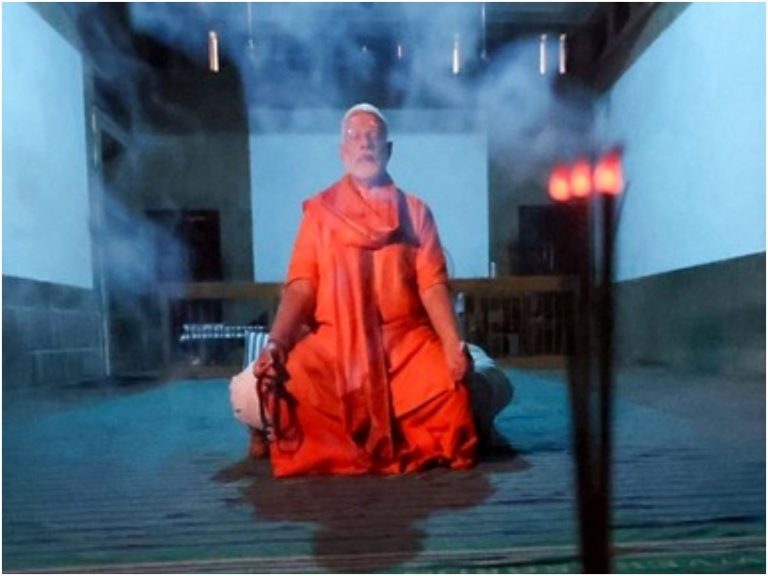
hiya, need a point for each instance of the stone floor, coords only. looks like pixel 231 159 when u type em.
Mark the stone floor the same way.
pixel 140 477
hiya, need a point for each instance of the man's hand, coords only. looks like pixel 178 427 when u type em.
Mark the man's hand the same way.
pixel 459 362
pixel 437 301
pixel 271 361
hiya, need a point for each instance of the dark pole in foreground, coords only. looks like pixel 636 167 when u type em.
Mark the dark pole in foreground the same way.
pixel 597 552
pixel 590 382
pixel 605 335
pixel 579 370
pixel 592 405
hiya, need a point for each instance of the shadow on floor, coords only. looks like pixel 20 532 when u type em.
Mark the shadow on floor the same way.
pixel 365 523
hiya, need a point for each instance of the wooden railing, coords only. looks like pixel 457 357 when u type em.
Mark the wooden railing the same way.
pixel 524 320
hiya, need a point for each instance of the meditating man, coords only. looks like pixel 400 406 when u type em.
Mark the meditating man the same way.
pixel 364 371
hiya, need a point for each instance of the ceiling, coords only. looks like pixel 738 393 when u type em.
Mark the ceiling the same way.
pixel 278 52
pixel 180 26
pixel 518 13
pixel 497 21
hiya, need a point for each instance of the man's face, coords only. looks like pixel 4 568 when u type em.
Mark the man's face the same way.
pixel 364 148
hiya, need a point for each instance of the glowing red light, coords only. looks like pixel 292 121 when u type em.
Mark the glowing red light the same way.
pixel 559 184
pixel 609 178
pixel 581 179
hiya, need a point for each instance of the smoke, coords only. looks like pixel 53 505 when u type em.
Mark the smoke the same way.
pixel 309 61
pixel 329 56
pixel 132 255
pixel 319 57
pixel 531 123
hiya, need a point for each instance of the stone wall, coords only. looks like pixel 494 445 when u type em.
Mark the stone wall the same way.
pixel 708 318
pixel 52 335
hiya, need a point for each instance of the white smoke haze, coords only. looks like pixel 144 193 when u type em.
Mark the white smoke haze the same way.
pixel 130 251
pixel 299 56
pixel 308 61
pixel 532 124
pixel 132 247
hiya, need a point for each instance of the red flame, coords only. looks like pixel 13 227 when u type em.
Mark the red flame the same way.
pixel 581 179
pixel 559 184
pixel 609 178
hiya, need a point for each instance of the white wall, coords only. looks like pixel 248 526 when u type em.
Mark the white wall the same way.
pixel 442 163
pixel 46 233
pixel 691 112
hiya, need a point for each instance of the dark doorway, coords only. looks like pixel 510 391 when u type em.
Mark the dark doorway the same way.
pixel 188 245
pixel 552 239
pixel 196 237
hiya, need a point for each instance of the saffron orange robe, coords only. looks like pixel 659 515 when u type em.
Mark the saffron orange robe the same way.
pixel 372 387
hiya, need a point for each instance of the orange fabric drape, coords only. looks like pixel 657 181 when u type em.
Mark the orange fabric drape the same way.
pixel 371 361
pixel 358 227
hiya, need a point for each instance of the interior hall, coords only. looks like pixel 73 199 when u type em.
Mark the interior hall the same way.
pixel 155 158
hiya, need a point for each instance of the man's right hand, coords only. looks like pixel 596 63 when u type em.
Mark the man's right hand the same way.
pixel 271 361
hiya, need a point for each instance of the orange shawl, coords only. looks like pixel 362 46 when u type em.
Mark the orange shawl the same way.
pixel 358 227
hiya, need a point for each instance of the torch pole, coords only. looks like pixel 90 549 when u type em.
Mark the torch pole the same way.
pixel 579 367
pixel 592 403
pixel 604 323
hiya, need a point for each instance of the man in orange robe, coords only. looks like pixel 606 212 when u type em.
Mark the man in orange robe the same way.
pixel 365 331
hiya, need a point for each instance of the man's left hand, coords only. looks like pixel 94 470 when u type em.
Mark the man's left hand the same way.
pixel 459 362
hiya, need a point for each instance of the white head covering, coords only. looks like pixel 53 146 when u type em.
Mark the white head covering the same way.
pixel 367 108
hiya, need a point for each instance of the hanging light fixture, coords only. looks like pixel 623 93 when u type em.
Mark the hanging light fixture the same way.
pixel 484 49
pixel 213 51
pixel 562 54
pixel 543 54
pixel 251 44
pixel 456 56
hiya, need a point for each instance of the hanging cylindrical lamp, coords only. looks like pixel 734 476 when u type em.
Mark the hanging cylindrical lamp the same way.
pixel 484 48
pixel 251 45
pixel 213 51
pixel 562 54
pixel 456 56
